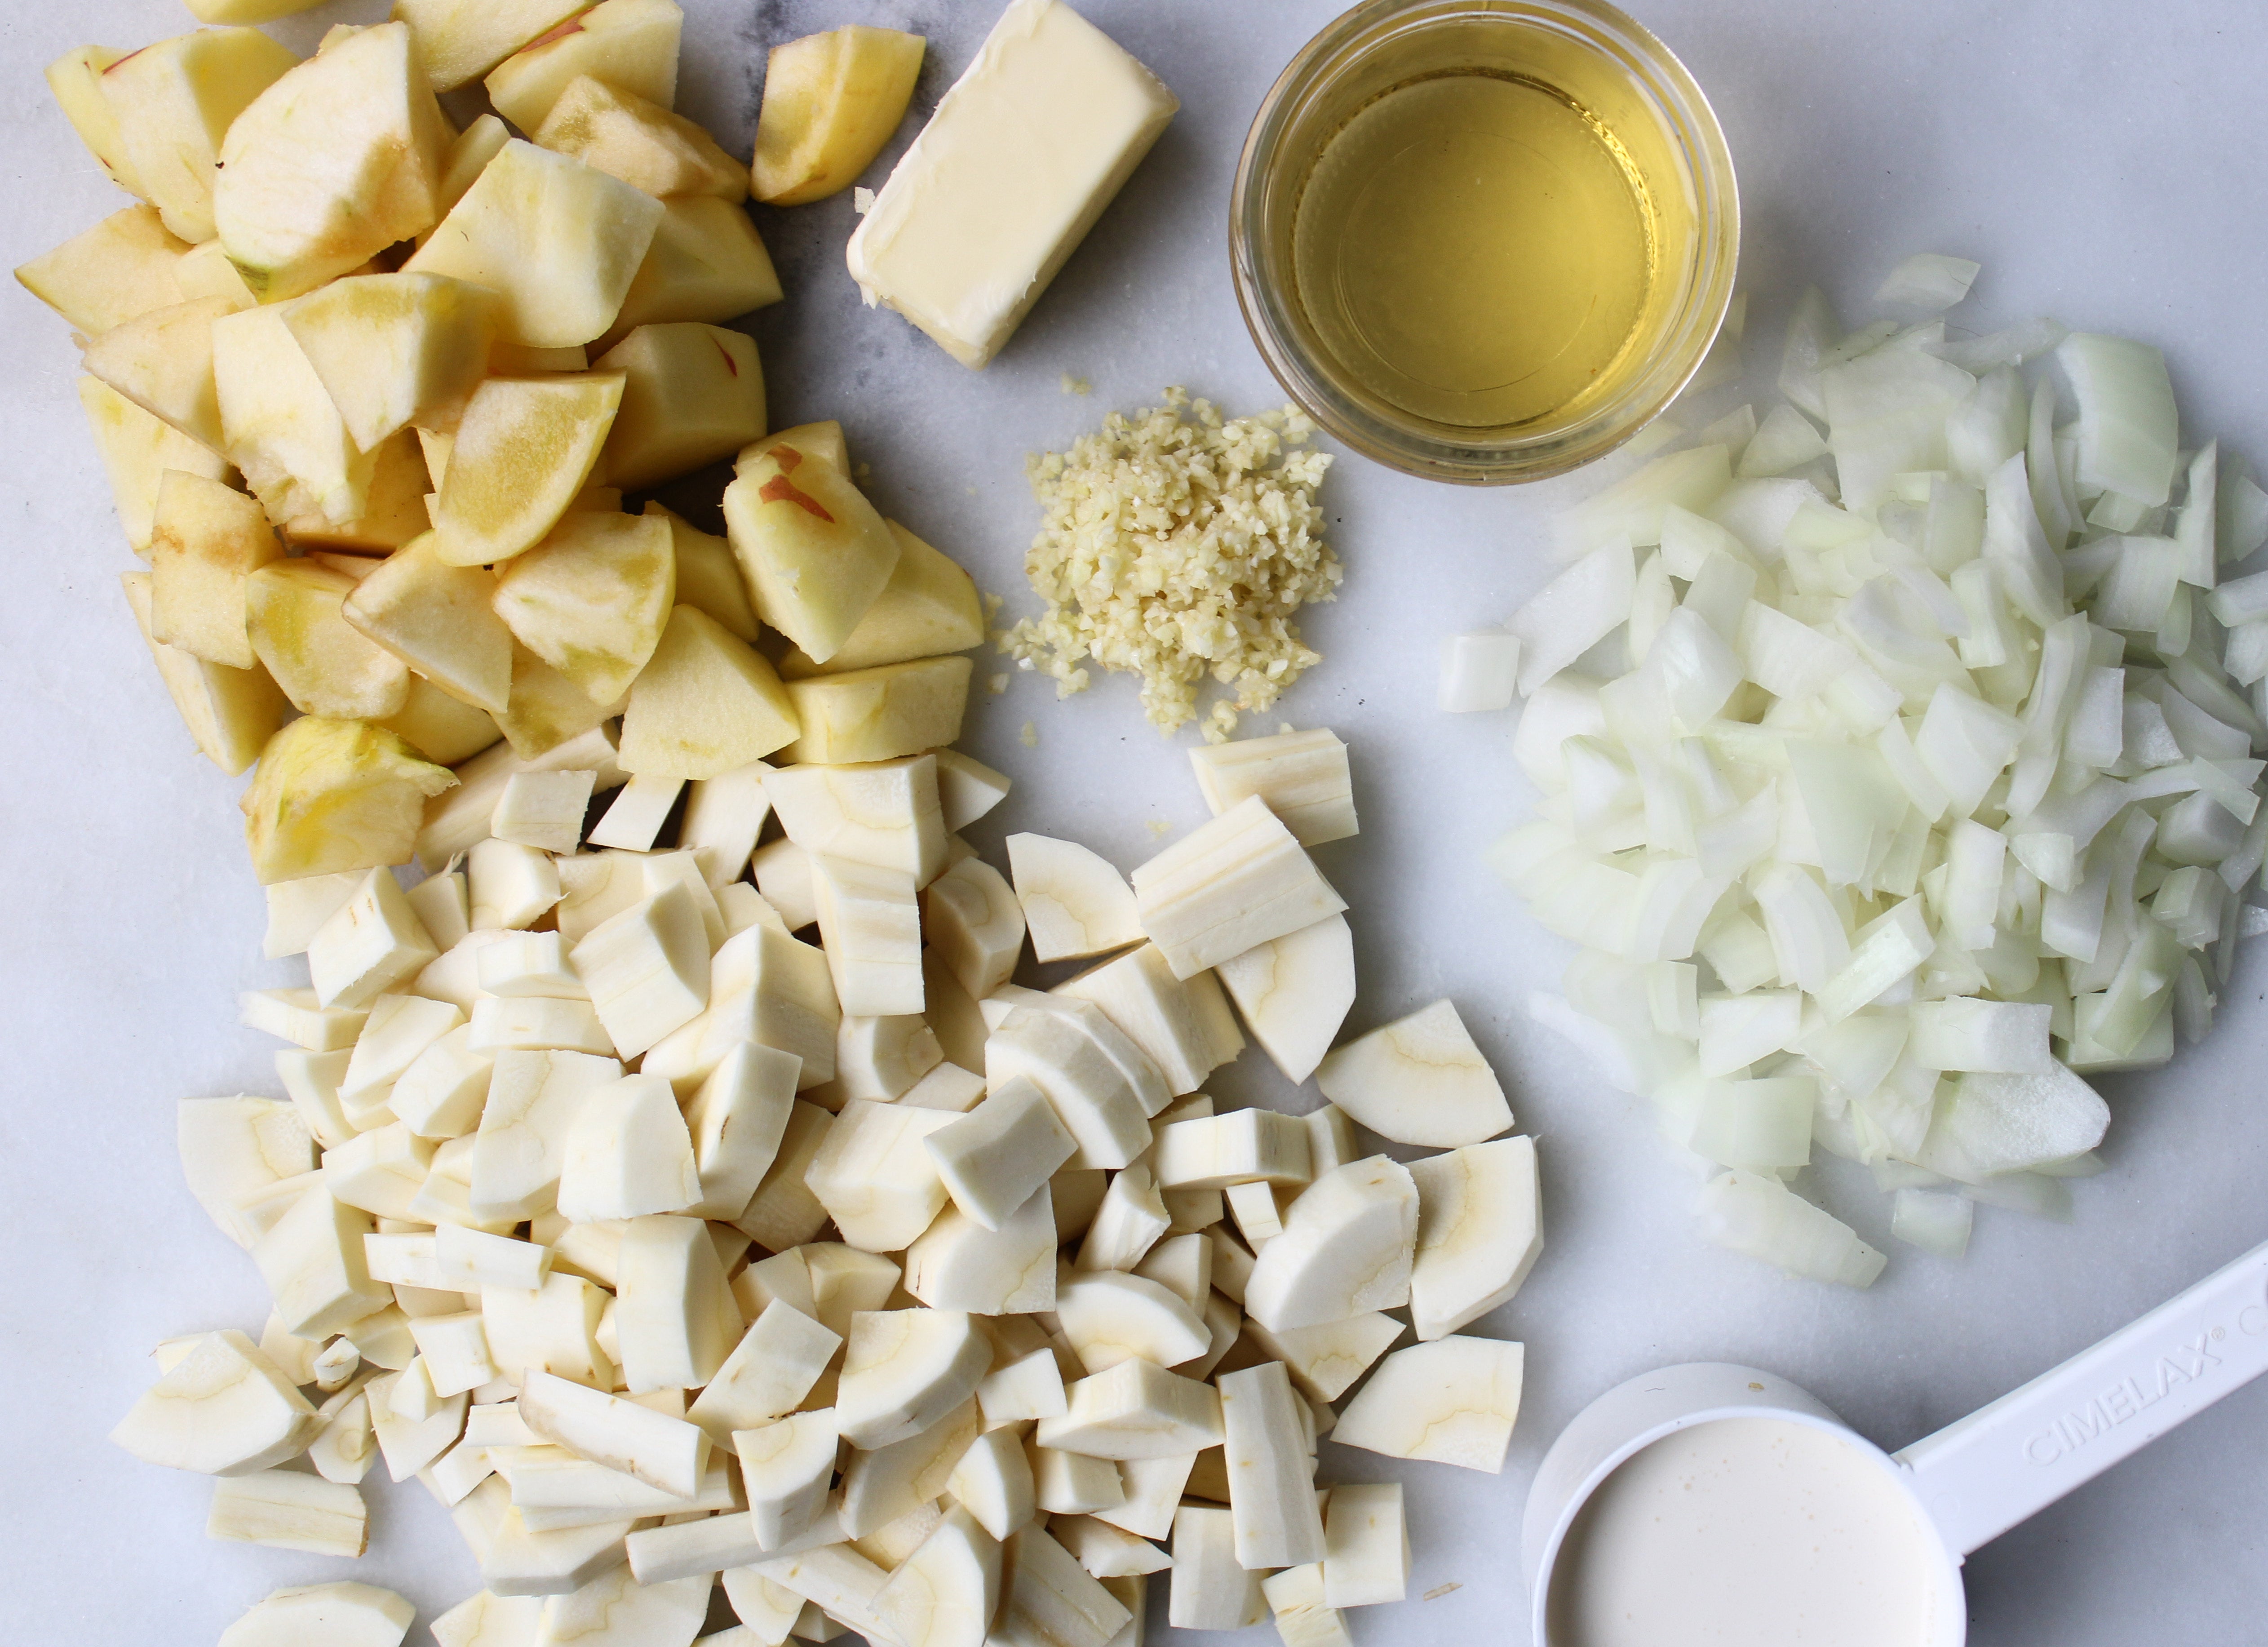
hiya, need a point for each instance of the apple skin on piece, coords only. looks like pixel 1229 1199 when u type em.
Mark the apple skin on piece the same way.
pixel 591 599
pixel 334 795
pixel 76 79
pixel 705 704
pixel 562 242
pixel 173 103
pixel 459 41
pixel 526 447
pixel 334 162
pixel 815 553
pixel 831 101
pixel 629 44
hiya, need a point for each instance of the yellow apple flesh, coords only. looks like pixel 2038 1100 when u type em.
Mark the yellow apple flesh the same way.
pixel 642 143
pixel 707 576
pixel 705 704
pixel 929 607
pixel 462 39
pixel 881 713
pixel 281 427
pixel 75 78
pixel 831 101
pixel 632 44
pixel 525 447
pixel 339 159
pixel 591 598
pixel 692 395
pixel 437 619
pixel 125 267
pixel 165 362
pixel 137 451
pixel 206 540
pixel 561 241
pixel 813 550
pixel 395 512
pixel 325 665
pixel 397 349
pixel 438 727
pixel 230 713
pixel 706 263
pixel 334 795
pixel 174 102
pixel 546 708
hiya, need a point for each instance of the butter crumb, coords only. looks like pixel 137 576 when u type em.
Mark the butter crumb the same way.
pixel 997 685
pixel 1029 737
pixel 1076 386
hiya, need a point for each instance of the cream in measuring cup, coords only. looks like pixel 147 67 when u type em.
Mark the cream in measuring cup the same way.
pixel 1745 1532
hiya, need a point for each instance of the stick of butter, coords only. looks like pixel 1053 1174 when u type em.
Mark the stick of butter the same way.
pixel 1020 159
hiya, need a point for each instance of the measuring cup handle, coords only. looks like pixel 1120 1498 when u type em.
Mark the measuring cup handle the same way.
pixel 1983 1474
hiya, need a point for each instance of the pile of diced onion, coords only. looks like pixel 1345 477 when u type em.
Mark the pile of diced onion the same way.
pixel 1898 761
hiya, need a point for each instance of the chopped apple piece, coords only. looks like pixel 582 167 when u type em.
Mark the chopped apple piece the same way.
pixel 204 272
pixel 333 795
pixel 708 577
pixel 881 713
pixel 706 262
pixel 396 350
pixel 439 727
pixel 175 101
pixel 138 449
pixel 546 710
pixel 468 157
pixel 248 11
pixel 831 101
pixel 929 607
pixel 526 446
pixel 460 40
pixel 163 361
pixel 591 600
pixel 118 270
pixel 823 440
pixel 630 44
pixel 561 241
pixel 282 428
pixel 324 666
pixel 337 160
pixel 75 78
pixel 647 146
pixel 232 713
pixel 692 395
pixel 206 540
pixel 705 704
pixel 436 618
pixel 1075 902
pixel 393 514
pixel 815 553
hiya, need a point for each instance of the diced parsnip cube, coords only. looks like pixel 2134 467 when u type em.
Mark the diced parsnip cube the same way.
pixel 770 1372
pixel 1302 776
pixel 1153 1492
pixel 968 789
pixel 881 1059
pixel 372 942
pixel 518 964
pixel 1479 671
pixel 1324 1361
pixel 635 816
pixel 885 813
pixel 222 1410
pixel 947 1087
pixel 459 821
pixel 705 704
pixel 398 1032
pixel 1110 1316
pixel 765 987
pixel 537 1024
pixel 1052 1598
pixel 1242 1147
pixel 1346 1248
pixel 975 925
pixel 1479 1232
pixel 552 1329
pixel 509 885
pixel 992 1159
pixel 1367 1546
pixel 1069 1057
pixel 788 1463
pixel 1295 992
pixel 296 1016
pixel 630 43
pixel 959 1264
pixel 1303 1618
pixel 351 1615
pixel 1230 885
pixel 1272 1475
pixel 1130 1220
pixel 454 1349
pixel 124 268
pixel 783 1212
pixel 1183 1026
pixel 647 969
pixel 1075 904
pixel 534 1098
pixel 905 1371
pixel 230 1148
pixel 668 1454
pixel 544 811
pixel 312 1262
pixel 875 1176
pixel 1453 1401
pixel 628 1154
pixel 1072 1484
pixel 880 714
pixel 928 607
pixel 724 815
pixel 737 1119
pixel 206 540
pixel 676 1318
pixel 379 1171
pixel 279 425
pixel 1418 1080
pixel 1209 1590
pixel 870 925
pixel 626 135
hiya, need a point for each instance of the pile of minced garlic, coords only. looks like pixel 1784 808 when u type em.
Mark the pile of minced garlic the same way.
pixel 1179 545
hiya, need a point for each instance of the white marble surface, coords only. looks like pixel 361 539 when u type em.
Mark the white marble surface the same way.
pixel 2105 162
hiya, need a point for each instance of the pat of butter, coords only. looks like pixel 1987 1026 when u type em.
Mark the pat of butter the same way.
pixel 1020 159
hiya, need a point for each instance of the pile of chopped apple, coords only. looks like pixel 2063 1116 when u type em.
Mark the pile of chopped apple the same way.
pixel 664 1246
pixel 668 1248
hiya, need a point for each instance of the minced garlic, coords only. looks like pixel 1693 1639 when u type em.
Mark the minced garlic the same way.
pixel 1176 546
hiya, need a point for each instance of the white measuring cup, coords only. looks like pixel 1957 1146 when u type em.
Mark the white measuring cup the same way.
pixel 1971 1481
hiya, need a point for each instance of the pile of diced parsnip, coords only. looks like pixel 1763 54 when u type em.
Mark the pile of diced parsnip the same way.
pixel 661 1245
